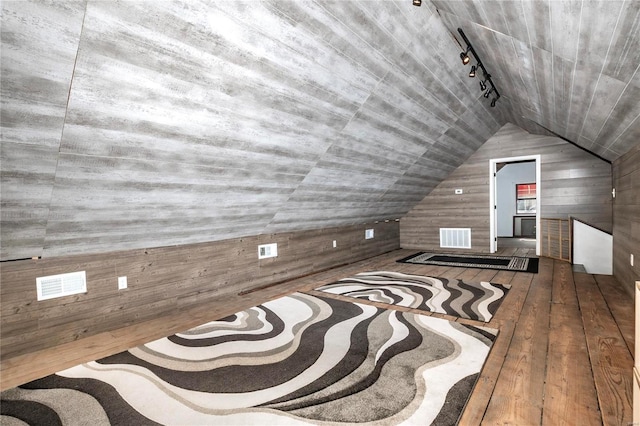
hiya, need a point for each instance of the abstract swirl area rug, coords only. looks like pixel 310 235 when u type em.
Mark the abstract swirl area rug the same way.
pixel 296 360
pixel 476 301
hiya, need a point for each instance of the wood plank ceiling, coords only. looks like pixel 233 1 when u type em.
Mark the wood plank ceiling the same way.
pixel 570 66
pixel 143 124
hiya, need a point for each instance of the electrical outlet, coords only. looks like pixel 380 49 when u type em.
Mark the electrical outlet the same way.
pixel 335 244
pixel 122 283
pixel 631 259
pixel 458 191
pixel 368 234
pixel 267 250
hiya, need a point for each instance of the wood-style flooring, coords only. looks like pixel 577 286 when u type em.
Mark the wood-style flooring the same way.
pixel 563 355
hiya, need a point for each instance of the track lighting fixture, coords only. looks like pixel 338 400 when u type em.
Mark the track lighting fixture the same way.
pixel 486 83
pixel 417 2
pixel 465 56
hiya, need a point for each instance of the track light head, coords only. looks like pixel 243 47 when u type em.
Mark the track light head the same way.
pixel 417 2
pixel 486 84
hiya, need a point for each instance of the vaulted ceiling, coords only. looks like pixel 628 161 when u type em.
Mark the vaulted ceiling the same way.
pixel 570 66
pixel 153 123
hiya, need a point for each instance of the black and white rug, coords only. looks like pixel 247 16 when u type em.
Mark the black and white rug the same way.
pixel 296 360
pixel 505 263
pixel 476 301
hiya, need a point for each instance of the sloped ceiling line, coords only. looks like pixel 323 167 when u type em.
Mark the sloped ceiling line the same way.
pixel 64 121
pixel 632 123
pixel 604 62
pixel 36 76
pixel 390 190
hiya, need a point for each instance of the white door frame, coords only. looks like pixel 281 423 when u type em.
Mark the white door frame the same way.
pixel 493 220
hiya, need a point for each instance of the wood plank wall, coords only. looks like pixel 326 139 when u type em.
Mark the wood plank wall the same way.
pixel 163 280
pixel 139 124
pixel 573 182
pixel 555 239
pixel 626 218
pixel 580 86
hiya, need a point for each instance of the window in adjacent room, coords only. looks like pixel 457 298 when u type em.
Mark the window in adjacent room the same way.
pixel 526 198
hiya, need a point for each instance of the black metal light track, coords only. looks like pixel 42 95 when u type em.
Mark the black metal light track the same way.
pixel 464 56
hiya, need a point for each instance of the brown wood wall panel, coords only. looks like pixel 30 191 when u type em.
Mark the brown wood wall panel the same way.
pixel 573 182
pixel 626 219
pixel 163 280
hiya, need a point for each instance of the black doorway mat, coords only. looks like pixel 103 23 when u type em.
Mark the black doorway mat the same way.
pixel 503 263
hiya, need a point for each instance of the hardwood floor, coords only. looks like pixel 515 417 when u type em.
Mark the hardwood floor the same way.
pixel 563 355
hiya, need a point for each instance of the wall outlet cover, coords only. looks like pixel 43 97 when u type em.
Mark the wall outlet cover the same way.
pixel 122 283
pixel 335 244
pixel 267 250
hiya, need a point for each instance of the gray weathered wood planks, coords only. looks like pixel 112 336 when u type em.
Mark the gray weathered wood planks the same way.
pixel 137 124
pixel 626 224
pixel 568 65
pixel 178 123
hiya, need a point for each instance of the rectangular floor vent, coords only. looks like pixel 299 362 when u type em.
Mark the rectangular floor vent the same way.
pixel 61 285
pixel 455 237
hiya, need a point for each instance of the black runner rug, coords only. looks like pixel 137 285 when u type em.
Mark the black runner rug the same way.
pixel 505 263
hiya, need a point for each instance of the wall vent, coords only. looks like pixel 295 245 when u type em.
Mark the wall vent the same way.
pixel 455 237
pixel 61 285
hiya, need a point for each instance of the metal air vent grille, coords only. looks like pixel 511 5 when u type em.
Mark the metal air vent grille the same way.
pixel 61 285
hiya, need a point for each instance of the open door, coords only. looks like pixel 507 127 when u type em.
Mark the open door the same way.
pixel 493 217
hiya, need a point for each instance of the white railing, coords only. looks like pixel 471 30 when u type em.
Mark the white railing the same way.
pixel 592 248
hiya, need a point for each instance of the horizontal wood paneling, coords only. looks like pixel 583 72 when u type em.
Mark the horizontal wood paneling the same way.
pixel 626 219
pixel 171 123
pixel 39 46
pixel 163 280
pixel 573 182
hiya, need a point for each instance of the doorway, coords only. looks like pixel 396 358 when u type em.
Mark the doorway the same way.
pixel 514 208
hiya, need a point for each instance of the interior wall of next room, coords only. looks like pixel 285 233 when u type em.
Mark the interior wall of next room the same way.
pixel 573 182
pixel 507 179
